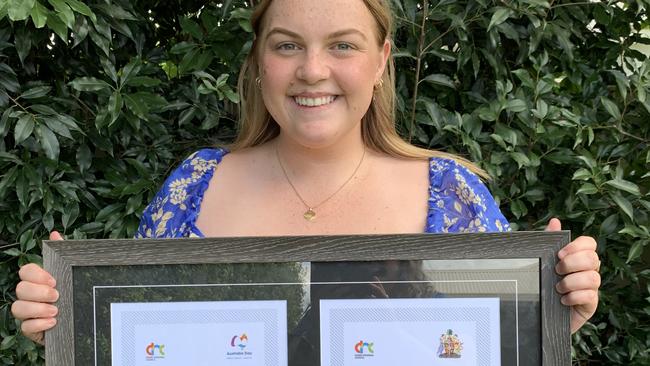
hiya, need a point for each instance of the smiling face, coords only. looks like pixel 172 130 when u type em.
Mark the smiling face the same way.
pixel 320 61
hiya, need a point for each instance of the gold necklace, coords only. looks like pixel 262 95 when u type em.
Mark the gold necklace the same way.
pixel 310 214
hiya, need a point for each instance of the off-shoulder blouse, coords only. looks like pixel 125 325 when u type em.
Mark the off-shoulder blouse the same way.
pixel 458 200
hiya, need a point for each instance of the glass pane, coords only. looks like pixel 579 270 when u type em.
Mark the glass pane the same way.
pixel 394 299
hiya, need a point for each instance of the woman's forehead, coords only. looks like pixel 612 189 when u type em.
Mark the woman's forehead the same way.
pixel 318 15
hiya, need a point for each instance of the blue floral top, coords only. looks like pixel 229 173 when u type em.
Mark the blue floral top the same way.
pixel 458 200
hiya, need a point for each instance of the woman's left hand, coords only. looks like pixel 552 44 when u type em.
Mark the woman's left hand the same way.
pixel 579 264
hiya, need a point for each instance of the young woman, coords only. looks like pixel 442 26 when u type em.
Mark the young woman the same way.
pixel 317 153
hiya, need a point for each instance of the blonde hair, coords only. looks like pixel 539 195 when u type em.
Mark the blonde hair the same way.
pixel 377 126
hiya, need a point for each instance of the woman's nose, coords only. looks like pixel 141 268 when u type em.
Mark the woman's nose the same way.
pixel 314 68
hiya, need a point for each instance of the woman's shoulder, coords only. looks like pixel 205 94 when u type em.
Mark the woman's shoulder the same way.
pixel 459 201
pixel 175 207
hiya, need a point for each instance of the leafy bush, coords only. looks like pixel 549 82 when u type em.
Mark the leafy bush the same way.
pixel 100 99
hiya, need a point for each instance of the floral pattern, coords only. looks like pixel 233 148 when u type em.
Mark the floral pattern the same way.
pixel 458 200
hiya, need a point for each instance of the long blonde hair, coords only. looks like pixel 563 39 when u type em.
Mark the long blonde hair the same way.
pixel 377 126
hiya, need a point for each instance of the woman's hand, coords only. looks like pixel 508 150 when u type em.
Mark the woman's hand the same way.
pixel 35 293
pixel 579 264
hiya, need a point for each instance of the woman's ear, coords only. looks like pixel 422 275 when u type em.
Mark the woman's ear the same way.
pixel 385 54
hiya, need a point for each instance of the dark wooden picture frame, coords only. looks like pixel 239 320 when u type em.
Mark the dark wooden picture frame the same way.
pixel 60 257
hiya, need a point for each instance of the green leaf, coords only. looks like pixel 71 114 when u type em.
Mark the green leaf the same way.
pixel 89 84
pixel 58 26
pixel 145 81
pixel 123 27
pixel 39 15
pixel 84 157
pixel 103 43
pixel 516 105
pixel 541 109
pixel 189 26
pixel 9 341
pixel 103 29
pixel 609 225
pixel 109 69
pixel 636 251
pixel 81 29
pixel 116 11
pixel 37 92
pixel 623 203
pixel 187 115
pixel 182 48
pixel 521 159
pixel 70 122
pixel 611 108
pixel 58 127
pixel 440 79
pixel 115 104
pixel 24 128
pixel 49 142
pixel 70 214
pixel 81 8
pixel 587 188
pixel 133 204
pixel 130 70
pixel 499 16
pixel 107 211
pixel 136 106
pixel 5 156
pixel 150 101
pixel 23 43
pixel 624 185
pixel 231 95
pixel 20 9
pixel 581 174
pixel 64 12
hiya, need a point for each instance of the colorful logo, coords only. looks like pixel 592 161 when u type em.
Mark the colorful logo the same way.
pixel 363 350
pixel 155 351
pixel 450 345
pixel 239 341
pixel 359 347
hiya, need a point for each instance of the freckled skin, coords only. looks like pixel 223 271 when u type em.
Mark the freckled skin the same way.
pixel 316 65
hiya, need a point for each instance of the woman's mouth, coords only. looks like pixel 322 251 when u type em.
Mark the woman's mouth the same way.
pixel 314 102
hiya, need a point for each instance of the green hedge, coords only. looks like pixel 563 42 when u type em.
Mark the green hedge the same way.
pixel 99 99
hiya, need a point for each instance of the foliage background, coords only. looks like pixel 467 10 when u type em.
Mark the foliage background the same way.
pixel 99 99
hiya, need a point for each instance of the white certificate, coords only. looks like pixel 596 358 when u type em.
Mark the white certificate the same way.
pixel 246 333
pixel 390 332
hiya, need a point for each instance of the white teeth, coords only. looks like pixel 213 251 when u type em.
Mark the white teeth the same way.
pixel 314 102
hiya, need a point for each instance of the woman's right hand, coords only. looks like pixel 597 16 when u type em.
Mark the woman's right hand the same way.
pixel 36 293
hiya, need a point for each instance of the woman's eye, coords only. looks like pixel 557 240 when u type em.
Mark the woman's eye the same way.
pixel 343 47
pixel 287 47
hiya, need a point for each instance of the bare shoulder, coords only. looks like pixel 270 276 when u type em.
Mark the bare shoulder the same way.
pixel 247 162
pixel 404 170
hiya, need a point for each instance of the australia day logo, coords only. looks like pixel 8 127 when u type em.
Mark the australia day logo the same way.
pixel 238 344
pixel 363 350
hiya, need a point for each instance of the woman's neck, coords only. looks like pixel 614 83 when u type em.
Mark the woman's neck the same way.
pixel 302 162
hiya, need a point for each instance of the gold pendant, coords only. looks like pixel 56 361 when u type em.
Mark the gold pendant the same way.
pixel 309 215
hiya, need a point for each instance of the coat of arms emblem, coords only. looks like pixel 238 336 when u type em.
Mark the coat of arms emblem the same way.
pixel 450 345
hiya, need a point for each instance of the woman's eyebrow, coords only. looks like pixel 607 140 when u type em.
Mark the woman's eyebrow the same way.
pixel 340 33
pixel 345 32
pixel 284 31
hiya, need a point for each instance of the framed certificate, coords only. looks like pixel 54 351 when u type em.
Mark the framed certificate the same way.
pixel 445 299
